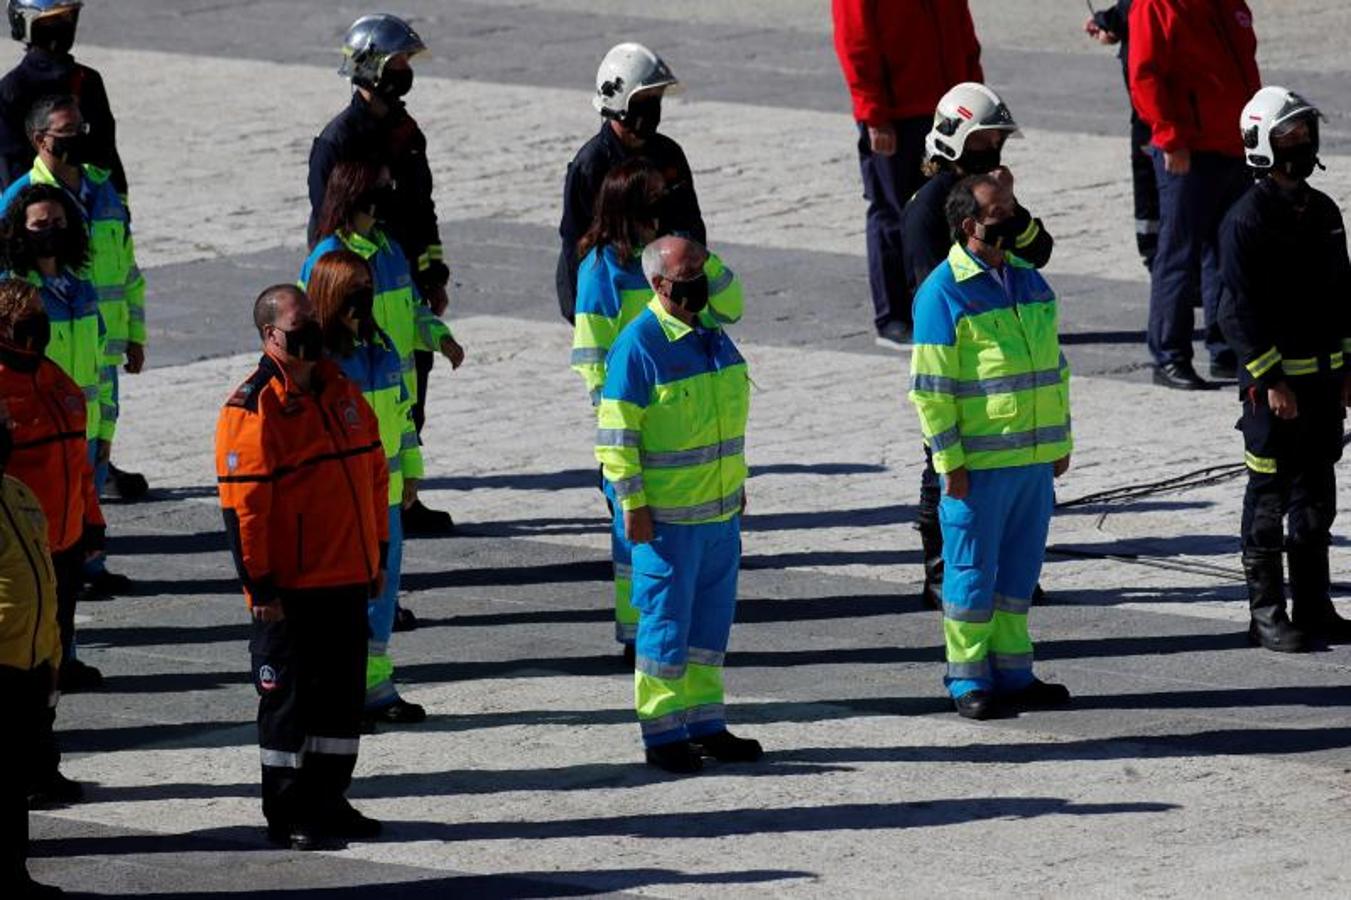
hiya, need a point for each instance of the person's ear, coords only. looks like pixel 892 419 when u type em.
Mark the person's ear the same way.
pixel 969 227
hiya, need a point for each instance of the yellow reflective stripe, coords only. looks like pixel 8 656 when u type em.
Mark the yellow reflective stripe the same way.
pixel 1261 464
pixel 1307 366
pixel 1264 363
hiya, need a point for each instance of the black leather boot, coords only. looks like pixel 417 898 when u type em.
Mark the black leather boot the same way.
pixel 931 539
pixel 1311 595
pixel 1270 626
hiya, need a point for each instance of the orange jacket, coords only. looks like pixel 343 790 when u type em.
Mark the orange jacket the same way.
pixel 50 456
pixel 303 483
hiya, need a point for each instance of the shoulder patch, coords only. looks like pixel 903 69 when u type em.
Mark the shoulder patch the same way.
pixel 247 394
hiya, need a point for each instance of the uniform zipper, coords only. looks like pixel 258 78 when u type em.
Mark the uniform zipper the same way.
pixel 37 581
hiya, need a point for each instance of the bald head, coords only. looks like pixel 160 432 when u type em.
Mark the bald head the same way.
pixel 276 306
pixel 673 259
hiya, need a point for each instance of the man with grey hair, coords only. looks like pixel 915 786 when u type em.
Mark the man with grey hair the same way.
pixel 304 488
pixel 671 438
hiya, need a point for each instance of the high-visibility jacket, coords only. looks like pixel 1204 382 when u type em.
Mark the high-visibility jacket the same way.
pixel 77 334
pixel 672 420
pixel 29 636
pixel 987 376
pixel 612 292
pixel 304 487
pixel 117 280
pixel 374 367
pixel 1192 67
pixel 399 308
pixel 47 412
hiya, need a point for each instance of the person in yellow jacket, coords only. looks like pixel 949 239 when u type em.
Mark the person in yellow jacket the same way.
pixel 60 139
pixel 30 656
pixel 671 441
pixel 992 391
pixel 611 292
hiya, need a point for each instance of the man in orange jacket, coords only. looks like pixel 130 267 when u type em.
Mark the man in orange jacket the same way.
pixel 47 412
pixel 304 487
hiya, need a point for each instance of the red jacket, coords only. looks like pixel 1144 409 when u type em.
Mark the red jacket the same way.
pixel 304 484
pixel 901 56
pixel 50 456
pixel 1193 67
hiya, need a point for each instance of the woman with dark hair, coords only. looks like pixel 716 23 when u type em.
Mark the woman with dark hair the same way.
pixel 343 294
pixel 611 292
pixel 43 242
pixel 355 201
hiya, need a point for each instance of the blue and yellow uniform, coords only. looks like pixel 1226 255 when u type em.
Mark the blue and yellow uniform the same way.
pixel 374 366
pixel 611 293
pixel 992 391
pixel 671 437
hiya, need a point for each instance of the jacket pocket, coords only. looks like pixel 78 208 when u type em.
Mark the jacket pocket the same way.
pixel 1001 406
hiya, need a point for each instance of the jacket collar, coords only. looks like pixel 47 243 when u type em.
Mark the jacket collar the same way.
pixel 670 325
pixel 966 266
pixel 323 373
pixel 19 360
pixel 363 246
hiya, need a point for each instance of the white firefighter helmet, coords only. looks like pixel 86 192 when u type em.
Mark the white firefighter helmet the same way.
pixel 969 107
pixel 1272 112
pixel 629 69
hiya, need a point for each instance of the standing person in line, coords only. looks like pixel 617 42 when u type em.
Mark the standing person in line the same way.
pixel 47 29
pixel 1285 308
pixel 611 292
pixel 343 294
pixel 671 441
pixel 898 60
pixel 1192 66
pixel 1112 26
pixel 630 84
pixel 960 145
pixel 376 127
pixel 43 243
pixel 304 491
pixel 59 135
pixel 30 655
pixel 992 391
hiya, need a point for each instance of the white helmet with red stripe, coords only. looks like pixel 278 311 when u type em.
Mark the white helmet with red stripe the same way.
pixel 1271 113
pixel 969 107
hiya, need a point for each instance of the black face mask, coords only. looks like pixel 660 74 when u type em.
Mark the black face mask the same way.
pixel 360 304
pixel 306 342
pixel 55 34
pixel 1298 161
pixel 395 83
pixel 378 201
pixel 691 295
pixel 71 149
pixel 643 117
pixel 46 243
pixel 979 162
pixel 33 333
pixel 1001 234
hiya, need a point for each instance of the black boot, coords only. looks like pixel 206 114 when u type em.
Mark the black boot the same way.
pixel 1311 595
pixel 1270 626
pixel 727 747
pixel 677 757
pixel 931 539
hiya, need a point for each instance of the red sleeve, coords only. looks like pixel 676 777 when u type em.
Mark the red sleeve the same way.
pixel 974 70
pixel 93 513
pixel 861 59
pixel 1150 82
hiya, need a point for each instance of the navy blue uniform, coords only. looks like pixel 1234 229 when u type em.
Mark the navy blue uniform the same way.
pixel 1285 309
pixel 40 74
pixel 679 211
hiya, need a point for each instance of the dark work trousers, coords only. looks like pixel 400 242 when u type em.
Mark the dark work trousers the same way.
pixel 27 714
pixel 1146 187
pixel 423 360
pixel 69 568
pixel 888 182
pixel 310 673
pixel 1291 466
pixel 930 492
pixel 1186 266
